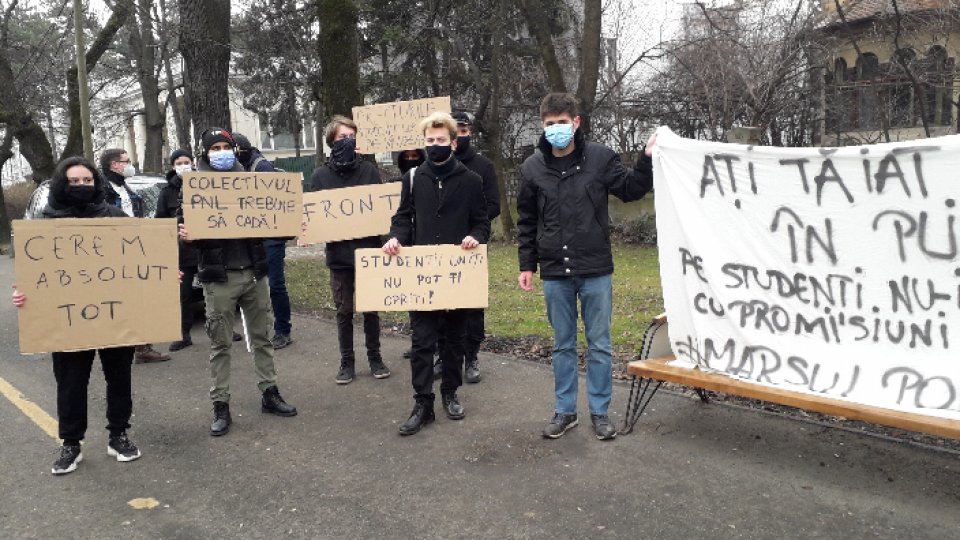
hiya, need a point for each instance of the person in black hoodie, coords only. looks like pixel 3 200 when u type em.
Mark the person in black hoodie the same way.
pixel 232 272
pixel 170 205
pixel 445 201
pixel 77 191
pixel 346 168
pixel 562 227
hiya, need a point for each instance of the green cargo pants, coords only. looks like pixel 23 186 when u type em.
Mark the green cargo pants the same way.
pixel 253 297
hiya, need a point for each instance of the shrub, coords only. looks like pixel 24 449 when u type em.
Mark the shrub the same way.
pixel 639 230
pixel 16 197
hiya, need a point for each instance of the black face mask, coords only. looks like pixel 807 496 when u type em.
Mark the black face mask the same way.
pixel 407 164
pixel 243 156
pixel 77 195
pixel 463 144
pixel 438 154
pixel 343 151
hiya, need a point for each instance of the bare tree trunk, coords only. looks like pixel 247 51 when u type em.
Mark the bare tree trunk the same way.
pixel 589 61
pixel 5 154
pixel 339 51
pixel 179 120
pixel 534 15
pixel 143 45
pixel 121 10
pixel 494 129
pixel 34 145
pixel 205 45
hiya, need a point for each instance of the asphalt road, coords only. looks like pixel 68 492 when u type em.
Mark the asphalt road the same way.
pixel 340 469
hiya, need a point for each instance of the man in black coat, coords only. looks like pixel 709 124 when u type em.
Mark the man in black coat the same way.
pixel 563 227
pixel 346 168
pixel 443 204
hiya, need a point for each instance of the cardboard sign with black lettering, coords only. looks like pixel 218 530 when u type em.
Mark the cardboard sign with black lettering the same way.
pixel 829 271
pixel 422 278
pixel 332 215
pixel 96 283
pixel 242 204
pixel 392 126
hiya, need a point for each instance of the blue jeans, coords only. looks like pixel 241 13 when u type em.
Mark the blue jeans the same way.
pixel 278 287
pixel 596 305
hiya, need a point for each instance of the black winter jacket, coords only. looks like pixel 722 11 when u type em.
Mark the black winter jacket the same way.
pixel 563 223
pixel 339 255
pixel 484 167
pixel 170 205
pixel 443 208
pixel 211 264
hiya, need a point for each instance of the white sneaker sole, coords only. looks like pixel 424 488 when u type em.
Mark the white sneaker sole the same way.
pixel 71 468
pixel 120 457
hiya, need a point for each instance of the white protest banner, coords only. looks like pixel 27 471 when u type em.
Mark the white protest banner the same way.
pixel 393 126
pixel 242 204
pixel 830 271
pixel 94 283
pixel 332 215
pixel 422 278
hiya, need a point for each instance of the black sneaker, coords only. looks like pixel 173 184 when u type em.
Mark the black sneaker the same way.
pixel 602 427
pixel 472 372
pixel 221 419
pixel 345 375
pixel 180 345
pixel 274 404
pixel 122 448
pixel 281 340
pixel 378 369
pixel 70 456
pixel 452 406
pixel 559 425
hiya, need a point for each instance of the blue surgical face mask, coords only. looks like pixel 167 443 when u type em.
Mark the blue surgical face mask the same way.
pixel 222 160
pixel 559 135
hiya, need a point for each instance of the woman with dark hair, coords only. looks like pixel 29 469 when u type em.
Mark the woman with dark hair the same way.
pixel 77 191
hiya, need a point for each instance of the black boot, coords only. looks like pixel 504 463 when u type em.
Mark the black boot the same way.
pixel 471 372
pixel 421 415
pixel 274 404
pixel 453 407
pixel 221 419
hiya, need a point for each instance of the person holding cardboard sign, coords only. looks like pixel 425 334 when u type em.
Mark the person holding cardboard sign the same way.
pixel 232 272
pixel 441 204
pixel 77 190
pixel 346 168
pixel 562 222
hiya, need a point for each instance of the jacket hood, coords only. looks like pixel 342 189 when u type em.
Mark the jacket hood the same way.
pixel 174 179
pixel 579 141
pixel 405 165
pixel 57 198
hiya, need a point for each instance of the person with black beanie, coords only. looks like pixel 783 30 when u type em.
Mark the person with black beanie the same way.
pixel 170 205
pixel 233 273
pixel 77 190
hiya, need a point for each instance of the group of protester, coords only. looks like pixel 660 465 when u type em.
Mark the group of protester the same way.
pixel 449 195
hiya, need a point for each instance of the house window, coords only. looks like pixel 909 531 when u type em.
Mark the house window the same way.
pixel 900 98
pixel 867 68
pixel 937 87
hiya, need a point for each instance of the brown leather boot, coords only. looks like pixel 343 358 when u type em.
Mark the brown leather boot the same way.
pixel 144 354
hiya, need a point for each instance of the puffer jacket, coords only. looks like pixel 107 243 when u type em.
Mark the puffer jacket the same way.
pixel 563 222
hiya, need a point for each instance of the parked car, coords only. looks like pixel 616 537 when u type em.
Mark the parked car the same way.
pixel 147 186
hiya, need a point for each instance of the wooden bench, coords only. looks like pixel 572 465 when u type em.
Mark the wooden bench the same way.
pixel 658 369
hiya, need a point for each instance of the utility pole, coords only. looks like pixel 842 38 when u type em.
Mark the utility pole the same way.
pixel 84 94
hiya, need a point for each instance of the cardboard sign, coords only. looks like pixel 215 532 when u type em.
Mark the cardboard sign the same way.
pixel 422 278
pixel 393 126
pixel 242 204
pixel 354 212
pixel 829 271
pixel 96 283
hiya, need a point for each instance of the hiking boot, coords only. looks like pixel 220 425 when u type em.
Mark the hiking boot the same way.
pixel 274 404
pixel 419 417
pixel 180 345
pixel 378 369
pixel 452 406
pixel 122 448
pixel 345 375
pixel 70 456
pixel 559 425
pixel 281 340
pixel 472 372
pixel 146 355
pixel 602 427
pixel 221 419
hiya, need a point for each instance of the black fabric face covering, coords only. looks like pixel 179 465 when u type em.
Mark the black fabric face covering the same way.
pixel 78 195
pixel 438 154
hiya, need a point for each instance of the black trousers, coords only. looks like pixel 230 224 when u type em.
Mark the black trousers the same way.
pixel 473 336
pixel 342 285
pixel 72 371
pixel 186 293
pixel 427 327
